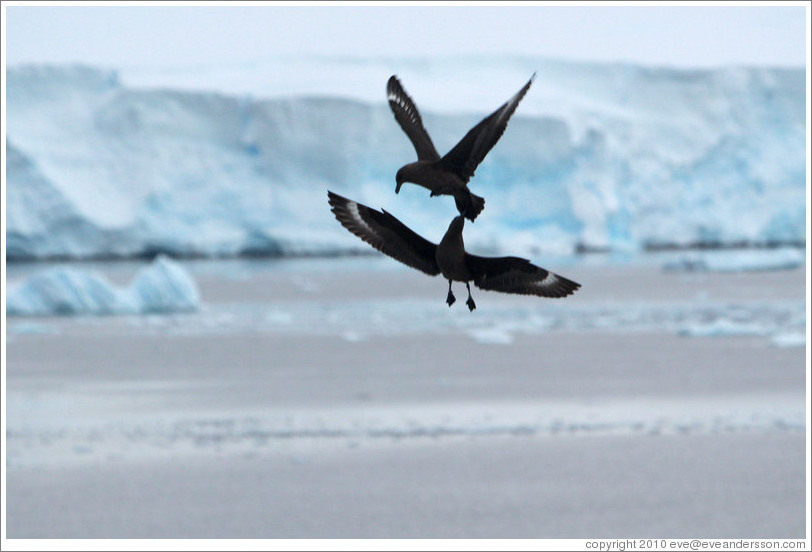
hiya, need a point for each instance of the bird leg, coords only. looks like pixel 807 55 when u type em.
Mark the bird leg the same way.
pixel 450 299
pixel 470 301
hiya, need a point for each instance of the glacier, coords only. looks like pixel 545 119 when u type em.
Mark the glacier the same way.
pixel 161 287
pixel 217 162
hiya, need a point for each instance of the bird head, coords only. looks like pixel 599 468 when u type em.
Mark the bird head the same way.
pixel 457 225
pixel 400 178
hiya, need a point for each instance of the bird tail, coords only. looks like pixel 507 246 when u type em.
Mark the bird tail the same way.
pixel 469 204
pixel 472 206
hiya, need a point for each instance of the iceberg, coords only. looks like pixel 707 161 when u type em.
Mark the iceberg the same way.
pixel 615 157
pixel 161 287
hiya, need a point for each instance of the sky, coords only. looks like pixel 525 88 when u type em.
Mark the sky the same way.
pixel 120 36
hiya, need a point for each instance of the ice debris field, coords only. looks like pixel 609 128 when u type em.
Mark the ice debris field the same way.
pixel 218 161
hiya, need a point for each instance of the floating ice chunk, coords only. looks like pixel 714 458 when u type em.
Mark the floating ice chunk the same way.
pixel 789 339
pixel 720 328
pixel 739 261
pixel 353 337
pixel 31 328
pixel 279 317
pixel 66 291
pixel 491 336
pixel 162 287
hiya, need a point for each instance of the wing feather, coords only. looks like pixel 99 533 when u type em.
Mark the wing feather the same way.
pixel 385 233
pixel 517 275
pixel 465 157
pixel 408 117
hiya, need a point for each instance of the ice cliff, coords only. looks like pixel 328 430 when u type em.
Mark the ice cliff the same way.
pixel 615 157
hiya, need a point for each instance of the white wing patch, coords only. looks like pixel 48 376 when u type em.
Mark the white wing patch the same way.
pixel 547 281
pixel 404 106
pixel 352 209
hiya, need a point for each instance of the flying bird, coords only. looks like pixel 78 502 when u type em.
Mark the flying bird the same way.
pixel 390 236
pixel 448 175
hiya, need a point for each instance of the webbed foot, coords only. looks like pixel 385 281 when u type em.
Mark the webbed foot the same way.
pixel 470 301
pixel 450 299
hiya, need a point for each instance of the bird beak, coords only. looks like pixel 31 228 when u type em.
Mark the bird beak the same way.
pixel 398 185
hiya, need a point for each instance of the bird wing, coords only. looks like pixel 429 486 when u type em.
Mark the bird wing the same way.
pixel 385 233
pixel 408 117
pixel 465 157
pixel 516 275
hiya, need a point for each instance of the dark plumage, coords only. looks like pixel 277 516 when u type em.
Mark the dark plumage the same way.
pixel 448 175
pixel 390 236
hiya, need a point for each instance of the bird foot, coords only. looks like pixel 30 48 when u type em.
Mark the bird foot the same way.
pixel 471 304
pixel 450 299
